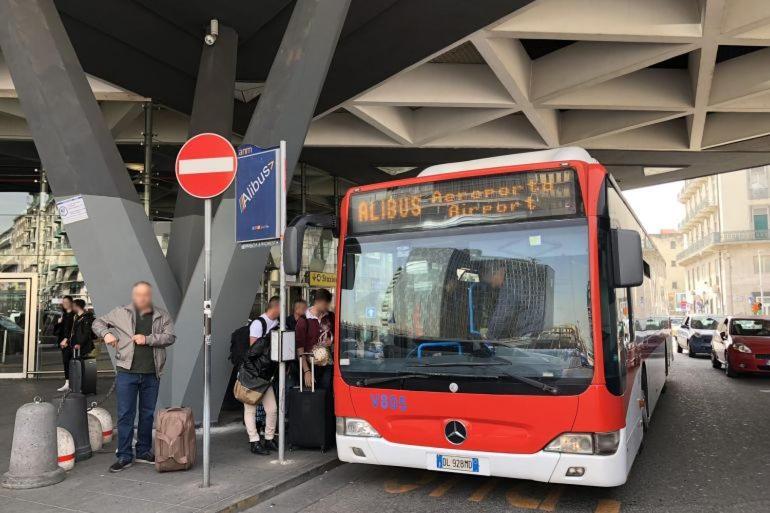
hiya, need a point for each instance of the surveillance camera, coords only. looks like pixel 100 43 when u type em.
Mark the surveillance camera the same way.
pixel 211 37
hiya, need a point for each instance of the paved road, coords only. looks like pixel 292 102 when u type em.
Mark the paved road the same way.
pixel 708 451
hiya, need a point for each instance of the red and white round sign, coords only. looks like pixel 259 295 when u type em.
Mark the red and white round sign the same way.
pixel 206 165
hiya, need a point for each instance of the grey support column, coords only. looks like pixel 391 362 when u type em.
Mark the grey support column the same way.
pixel 212 112
pixel 116 245
pixel 284 111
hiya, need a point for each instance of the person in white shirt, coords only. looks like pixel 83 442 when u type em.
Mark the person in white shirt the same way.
pixel 258 329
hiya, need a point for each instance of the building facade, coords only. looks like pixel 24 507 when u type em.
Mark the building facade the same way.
pixel 726 259
pixel 669 244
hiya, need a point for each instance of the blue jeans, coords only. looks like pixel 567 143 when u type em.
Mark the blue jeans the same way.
pixel 129 387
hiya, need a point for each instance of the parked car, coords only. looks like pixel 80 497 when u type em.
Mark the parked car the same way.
pixel 742 345
pixel 695 334
pixel 675 323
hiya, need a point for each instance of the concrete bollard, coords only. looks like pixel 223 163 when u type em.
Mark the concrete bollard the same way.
pixel 106 421
pixel 74 418
pixel 33 451
pixel 66 445
pixel 95 433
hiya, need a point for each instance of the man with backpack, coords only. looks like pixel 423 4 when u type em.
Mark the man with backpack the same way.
pixel 257 362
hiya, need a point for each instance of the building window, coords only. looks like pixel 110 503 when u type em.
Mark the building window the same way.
pixel 674 285
pixel 765 264
pixel 673 244
pixel 758 186
pixel 759 218
pixel 673 263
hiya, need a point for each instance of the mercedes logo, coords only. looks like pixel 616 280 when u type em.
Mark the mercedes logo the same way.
pixel 455 432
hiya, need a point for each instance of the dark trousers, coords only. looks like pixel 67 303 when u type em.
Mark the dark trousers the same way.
pixel 130 387
pixel 66 356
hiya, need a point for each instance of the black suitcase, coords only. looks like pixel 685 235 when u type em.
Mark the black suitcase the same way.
pixel 82 374
pixel 311 421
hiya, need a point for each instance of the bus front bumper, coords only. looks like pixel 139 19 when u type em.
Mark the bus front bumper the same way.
pixel 547 467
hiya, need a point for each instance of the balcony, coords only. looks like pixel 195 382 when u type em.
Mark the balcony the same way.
pixel 718 238
pixel 698 213
pixel 690 186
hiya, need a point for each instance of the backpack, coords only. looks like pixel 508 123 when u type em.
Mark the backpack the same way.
pixel 239 344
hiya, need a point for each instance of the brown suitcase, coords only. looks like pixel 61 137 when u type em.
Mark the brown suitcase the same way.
pixel 175 447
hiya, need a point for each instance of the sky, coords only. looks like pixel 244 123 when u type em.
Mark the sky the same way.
pixel 11 205
pixel 657 206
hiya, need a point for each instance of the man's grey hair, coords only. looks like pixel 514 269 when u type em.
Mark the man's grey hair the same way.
pixel 141 282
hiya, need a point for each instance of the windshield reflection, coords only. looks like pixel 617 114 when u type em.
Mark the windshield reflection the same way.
pixel 507 304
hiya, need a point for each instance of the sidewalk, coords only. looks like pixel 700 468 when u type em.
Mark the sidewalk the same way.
pixel 239 479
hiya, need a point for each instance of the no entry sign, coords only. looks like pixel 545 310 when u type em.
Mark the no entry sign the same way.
pixel 206 165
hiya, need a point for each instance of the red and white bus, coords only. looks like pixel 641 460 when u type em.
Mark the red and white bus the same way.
pixel 503 316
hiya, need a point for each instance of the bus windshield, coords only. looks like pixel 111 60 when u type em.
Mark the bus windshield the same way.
pixel 493 309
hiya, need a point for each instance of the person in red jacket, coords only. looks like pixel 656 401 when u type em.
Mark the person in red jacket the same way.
pixel 315 334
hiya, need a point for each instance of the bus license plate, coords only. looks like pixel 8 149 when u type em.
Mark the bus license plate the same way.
pixel 457 463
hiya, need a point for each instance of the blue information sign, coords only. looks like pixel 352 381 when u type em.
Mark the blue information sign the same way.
pixel 257 193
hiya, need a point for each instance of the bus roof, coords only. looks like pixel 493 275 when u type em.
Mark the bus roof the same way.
pixel 517 159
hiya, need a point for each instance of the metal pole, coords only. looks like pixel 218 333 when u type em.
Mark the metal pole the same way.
pixel 282 318
pixel 336 197
pixel 5 343
pixel 42 200
pixel 146 179
pixel 303 188
pixel 206 342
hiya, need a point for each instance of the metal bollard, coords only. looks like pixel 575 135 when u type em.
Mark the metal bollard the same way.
pixel 34 448
pixel 74 418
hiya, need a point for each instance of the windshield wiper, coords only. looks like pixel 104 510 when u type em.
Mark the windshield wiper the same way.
pixel 497 361
pixel 409 375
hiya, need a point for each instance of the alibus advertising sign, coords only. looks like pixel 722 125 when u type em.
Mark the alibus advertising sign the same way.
pixel 257 194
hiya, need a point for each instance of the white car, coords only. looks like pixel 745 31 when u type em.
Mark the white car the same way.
pixel 695 334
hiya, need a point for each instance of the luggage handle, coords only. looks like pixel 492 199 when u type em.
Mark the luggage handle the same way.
pixel 76 352
pixel 302 374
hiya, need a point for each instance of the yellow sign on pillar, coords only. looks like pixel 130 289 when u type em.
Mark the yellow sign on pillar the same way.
pixel 323 279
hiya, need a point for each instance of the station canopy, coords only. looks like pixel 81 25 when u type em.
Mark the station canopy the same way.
pixel 657 90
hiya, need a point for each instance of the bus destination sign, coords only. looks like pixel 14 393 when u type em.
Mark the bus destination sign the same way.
pixel 480 200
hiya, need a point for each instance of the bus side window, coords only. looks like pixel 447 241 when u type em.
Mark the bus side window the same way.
pixel 616 328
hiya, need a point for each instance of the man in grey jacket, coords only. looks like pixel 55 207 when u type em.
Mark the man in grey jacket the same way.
pixel 140 333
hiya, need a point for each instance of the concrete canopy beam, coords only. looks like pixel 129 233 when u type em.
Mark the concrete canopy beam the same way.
pixel 78 152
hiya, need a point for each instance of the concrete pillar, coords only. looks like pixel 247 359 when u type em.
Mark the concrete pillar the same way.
pixel 212 112
pixel 284 111
pixel 80 157
pixel 147 175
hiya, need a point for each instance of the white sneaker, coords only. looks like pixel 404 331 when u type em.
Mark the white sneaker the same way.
pixel 64 388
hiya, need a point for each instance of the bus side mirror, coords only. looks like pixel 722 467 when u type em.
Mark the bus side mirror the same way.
pixel 627 261
pixel 294 236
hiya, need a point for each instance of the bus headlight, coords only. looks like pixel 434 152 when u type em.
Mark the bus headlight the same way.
pixel 585 443
pixel 355 427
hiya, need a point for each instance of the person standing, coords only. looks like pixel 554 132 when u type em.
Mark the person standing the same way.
pixel 315 334
pixel 63 330
pixel 298 310
pixel 140 333
pixel 258 368
pixel 82 338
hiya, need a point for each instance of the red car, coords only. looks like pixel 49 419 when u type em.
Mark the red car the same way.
pixel 743 345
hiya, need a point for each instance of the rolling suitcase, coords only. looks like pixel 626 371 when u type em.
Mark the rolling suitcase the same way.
pixel 311 422
pixel 82 374
pixel 175 447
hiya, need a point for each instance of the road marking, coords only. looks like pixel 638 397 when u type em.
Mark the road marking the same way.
pixel 444 487
pixel 395 486
pixel 765 391
pixel 482 491
pixel 552 499
pixel 518 499
pixel 608 506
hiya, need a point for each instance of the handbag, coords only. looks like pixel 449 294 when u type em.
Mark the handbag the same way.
pixel 246 395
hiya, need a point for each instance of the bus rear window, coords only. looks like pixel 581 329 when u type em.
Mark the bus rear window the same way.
pixel 481 200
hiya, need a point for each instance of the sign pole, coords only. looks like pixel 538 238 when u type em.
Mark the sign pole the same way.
pixel 207 343
pixel 282 295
